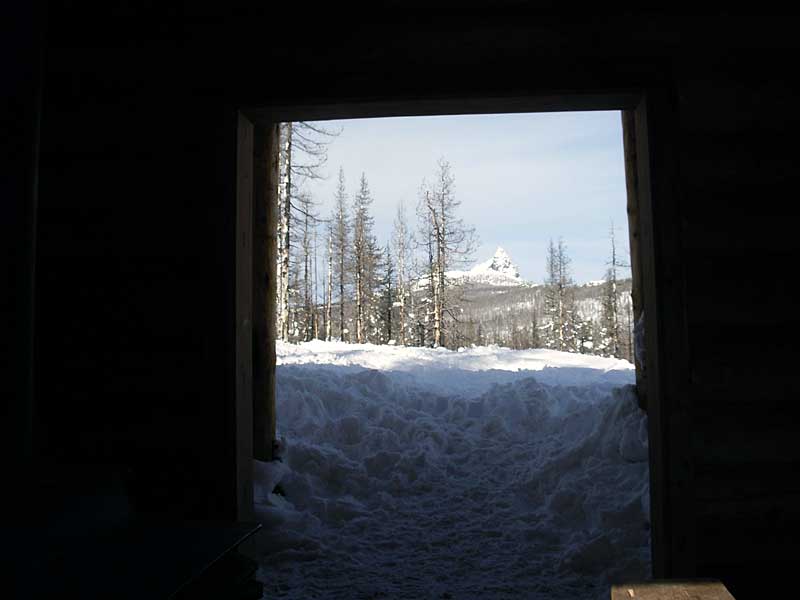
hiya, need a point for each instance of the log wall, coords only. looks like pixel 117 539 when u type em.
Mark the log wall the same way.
pixel 135 347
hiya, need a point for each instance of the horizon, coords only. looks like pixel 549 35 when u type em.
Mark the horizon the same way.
pixel 625 270
pixel 560 175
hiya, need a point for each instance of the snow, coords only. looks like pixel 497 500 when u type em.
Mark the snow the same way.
pixel 499 270
pixel 419 472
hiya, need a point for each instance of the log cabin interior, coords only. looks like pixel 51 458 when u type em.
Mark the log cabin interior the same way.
pixel 138 143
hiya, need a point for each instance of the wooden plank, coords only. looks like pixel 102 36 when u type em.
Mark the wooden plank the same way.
pixel 632 187
pixel 264 289
pixel 727 388
pixel 721 347
pixel 746 488
pixel 671 590
pixel 416 106
pixel 735 200
pixel 753 158
pixel 244 317
pixel 666 339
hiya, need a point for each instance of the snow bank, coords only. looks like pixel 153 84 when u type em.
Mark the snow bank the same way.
pixel 469 373
pixel 489 473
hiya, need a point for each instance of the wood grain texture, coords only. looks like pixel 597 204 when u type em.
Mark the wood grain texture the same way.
pixel 634 236
pixel 671 590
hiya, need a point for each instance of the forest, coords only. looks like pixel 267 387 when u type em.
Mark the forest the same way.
pixel 337 281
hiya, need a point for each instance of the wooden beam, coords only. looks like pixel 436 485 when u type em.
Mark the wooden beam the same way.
pixel 632 187
pixel 568 100
pixel 666 338
pixel 264 288
pixel 244 316
pixel 671 590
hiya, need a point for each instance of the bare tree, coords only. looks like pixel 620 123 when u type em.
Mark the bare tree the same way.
pixel 364 257
pixel 401 245
pixel 426 272
pixel 329 291
pixel 305 259
pixel 389 285
pixel 559 304
pixel 340 245
pixel 612 316
pixel 303 152
pixel 315 289
pixel 284 226
pixel 451 243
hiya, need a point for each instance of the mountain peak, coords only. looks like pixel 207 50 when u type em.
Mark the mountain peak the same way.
pixel 499 270
pixel 501 262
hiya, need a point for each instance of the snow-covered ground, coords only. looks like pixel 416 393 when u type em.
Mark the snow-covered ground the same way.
pixel 422 473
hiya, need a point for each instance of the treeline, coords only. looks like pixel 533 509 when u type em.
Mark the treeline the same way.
pixel 367 292
pixel 560 314
pixel 336 281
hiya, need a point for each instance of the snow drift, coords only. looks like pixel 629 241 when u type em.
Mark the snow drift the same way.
pixel 484 473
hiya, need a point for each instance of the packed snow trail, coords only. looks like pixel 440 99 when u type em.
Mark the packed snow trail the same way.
pixel 484 473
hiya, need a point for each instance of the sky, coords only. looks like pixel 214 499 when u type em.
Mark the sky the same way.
pixel 522 179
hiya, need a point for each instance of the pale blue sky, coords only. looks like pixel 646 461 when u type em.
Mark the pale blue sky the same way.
pixel 521 179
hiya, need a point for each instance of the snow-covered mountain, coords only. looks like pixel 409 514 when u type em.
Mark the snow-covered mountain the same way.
pixel 499 270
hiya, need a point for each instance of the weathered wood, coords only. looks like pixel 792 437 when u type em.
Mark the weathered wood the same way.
pixel 665 338
pixel 632 188
pixel 671 590
pixel 739 235
pixel 264 288
pixel 452 105
pixel 244 317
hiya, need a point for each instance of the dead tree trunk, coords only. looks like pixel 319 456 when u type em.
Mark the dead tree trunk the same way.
pixel 286 234
pixel 329 300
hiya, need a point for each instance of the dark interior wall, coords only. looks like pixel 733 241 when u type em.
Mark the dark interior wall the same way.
pixel 134 346
pixel 135 266
pixel 22 38
pixel 738 129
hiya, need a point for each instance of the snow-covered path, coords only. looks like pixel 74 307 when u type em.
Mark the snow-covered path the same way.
pixel 420 473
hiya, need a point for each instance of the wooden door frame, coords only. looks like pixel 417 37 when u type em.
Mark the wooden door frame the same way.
pixel 255 258
pixel 656 248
